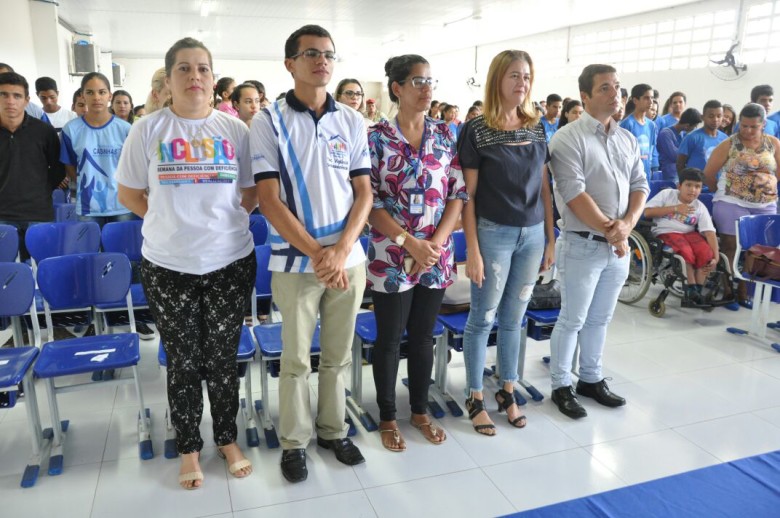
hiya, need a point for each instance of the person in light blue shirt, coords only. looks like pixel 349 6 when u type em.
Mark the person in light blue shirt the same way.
pixel 91 146
pixel 696 147
pixel 640 126
pixel 669 140
pixel 552 115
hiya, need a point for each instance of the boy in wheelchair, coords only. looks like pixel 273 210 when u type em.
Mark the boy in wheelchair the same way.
pixel 676 215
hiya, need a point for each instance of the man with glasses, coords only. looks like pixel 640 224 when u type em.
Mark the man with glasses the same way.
pixel 311 164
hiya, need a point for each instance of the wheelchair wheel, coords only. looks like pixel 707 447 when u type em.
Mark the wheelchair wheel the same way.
pixel 639 271
pixel 657 308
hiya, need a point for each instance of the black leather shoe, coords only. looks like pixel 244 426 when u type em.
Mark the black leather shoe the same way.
pixel 294 465
pixel 567 402
pixel 346 452
pixel 600 392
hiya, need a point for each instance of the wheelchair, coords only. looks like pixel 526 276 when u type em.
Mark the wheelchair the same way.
pixel 652 262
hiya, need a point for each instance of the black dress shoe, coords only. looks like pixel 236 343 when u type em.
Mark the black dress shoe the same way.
pixel 600 392
pixel 346 452
pixel 567 402
pixel 294 465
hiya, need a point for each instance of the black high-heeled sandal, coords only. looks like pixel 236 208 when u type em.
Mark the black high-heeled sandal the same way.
pixel 506 400
pixel 474 407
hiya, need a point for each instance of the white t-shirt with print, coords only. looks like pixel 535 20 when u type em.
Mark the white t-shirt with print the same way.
pixel 194 170
pixel 679 223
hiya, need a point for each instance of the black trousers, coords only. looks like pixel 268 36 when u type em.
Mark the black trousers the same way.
pixel 199 318
pixel 414 310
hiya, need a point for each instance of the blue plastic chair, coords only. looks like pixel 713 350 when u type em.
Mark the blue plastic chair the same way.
pixel 9 244
pixel 246 353
pixel 258 226
pixel 706 199
pixel 65 213
pixel 124 237
pixel 459 246
pixel 17 288
pixel 59 196
pixel 757 230
pixel 54 239
pixel 365 338
pixel 76 281
pixel 262 289
pixel 657 186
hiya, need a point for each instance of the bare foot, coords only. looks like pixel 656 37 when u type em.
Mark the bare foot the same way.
pixel 238 465
pixel 190 475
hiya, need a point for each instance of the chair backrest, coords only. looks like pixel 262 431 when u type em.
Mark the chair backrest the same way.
pixel 54 239
pixel 123 237
pixel 657 186
pixel 364 243
pixel 58 196
pixel 17 288
pixel 65 212
pixel 76 281
pixel 9 243
pixel 763 229
pixel 459 246
pixel 258 226
pixel 263 276
pixel 706 199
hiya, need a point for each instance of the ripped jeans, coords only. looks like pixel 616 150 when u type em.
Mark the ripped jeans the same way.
pixel 512 256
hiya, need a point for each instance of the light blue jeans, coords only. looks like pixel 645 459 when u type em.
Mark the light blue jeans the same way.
pixel 591 277
pixel 512 256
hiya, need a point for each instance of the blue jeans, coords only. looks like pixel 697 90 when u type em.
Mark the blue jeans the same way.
pixel 102 220
pixel 511 257
pixel 591 277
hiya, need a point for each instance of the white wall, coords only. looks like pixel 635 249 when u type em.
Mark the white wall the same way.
pixel 16 38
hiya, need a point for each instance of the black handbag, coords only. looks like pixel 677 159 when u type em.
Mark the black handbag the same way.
pixel 546 296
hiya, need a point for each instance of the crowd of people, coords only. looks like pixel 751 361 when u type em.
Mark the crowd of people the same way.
pixel 201 155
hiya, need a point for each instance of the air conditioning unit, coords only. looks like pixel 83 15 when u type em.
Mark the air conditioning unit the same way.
pixel 84 58
pixel 118 74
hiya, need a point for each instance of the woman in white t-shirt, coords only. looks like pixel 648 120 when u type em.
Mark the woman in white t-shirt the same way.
pixel 198 257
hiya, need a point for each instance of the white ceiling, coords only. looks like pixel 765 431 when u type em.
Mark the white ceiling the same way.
pixel 257 29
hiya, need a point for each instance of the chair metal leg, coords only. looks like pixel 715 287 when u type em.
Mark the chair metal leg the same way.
pixel 252 437
pixel 439 386
pixel 263 410
pixel 145 449
pixel 58 430
pixel 355 396
pixel 40 444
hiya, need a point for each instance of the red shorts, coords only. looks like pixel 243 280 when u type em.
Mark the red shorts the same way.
pixel 692 246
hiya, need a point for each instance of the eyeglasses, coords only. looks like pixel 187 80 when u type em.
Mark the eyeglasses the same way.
pixel 420 82
pixel 351 94
pixel 315 54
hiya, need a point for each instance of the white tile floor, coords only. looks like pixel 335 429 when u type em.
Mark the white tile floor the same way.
pixel 697 396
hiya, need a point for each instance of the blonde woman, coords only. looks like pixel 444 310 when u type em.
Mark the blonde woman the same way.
pixel 160 95
pixel 502 153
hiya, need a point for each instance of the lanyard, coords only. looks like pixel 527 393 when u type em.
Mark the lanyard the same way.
pixel 416 162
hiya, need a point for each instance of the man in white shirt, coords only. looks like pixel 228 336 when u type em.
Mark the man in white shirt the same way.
pixel 600 188
pixel 53 113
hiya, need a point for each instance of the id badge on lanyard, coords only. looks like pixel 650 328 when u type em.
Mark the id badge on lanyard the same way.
pixel 416 194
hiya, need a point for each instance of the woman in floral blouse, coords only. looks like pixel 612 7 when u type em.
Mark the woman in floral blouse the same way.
pixel 418 195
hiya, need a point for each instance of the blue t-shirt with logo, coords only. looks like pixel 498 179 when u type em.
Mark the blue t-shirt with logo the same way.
pixel 645 135
pixel 94 152
pixel 698 146
pixel 549 128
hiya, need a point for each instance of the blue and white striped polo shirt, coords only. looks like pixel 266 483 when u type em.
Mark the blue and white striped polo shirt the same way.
pixel 314 160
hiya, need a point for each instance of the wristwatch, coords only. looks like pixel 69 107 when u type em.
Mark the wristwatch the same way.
pixel 400 239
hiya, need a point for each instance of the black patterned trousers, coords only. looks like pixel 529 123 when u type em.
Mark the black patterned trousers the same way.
pixel 199 318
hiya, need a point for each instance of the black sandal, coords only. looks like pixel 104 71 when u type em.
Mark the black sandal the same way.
pixel 506 400
pixel 474 407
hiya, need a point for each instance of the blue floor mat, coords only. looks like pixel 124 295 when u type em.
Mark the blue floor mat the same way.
pixel 747 487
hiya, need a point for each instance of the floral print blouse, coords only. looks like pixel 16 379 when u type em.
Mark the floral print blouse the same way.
pixel 398 172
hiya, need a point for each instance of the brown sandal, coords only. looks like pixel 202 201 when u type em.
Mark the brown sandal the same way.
pixel 436 432
pixel 397 444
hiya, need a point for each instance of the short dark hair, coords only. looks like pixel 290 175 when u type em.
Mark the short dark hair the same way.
pixel 712 104
pixel 752 111
pixel 78 93
pixel 184 43
pixel 690 116
pixel 554 98
pixel 759 91
pixel 623 93
pixel 291 45
pixel 95 75
pixel 656 94
pixel 138 108
pixel 260 86
pixel 690 174
pixel 45 83
pixel 7 66
pixel 222 85
pixel 236 95
pixel 478 103
pixel 639 90
pixel 585 81
pixel 398 68
pixel 12 78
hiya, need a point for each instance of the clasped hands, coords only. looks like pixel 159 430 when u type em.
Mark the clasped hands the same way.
pixel 328 265
pixel 425 254
pixel 616 232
